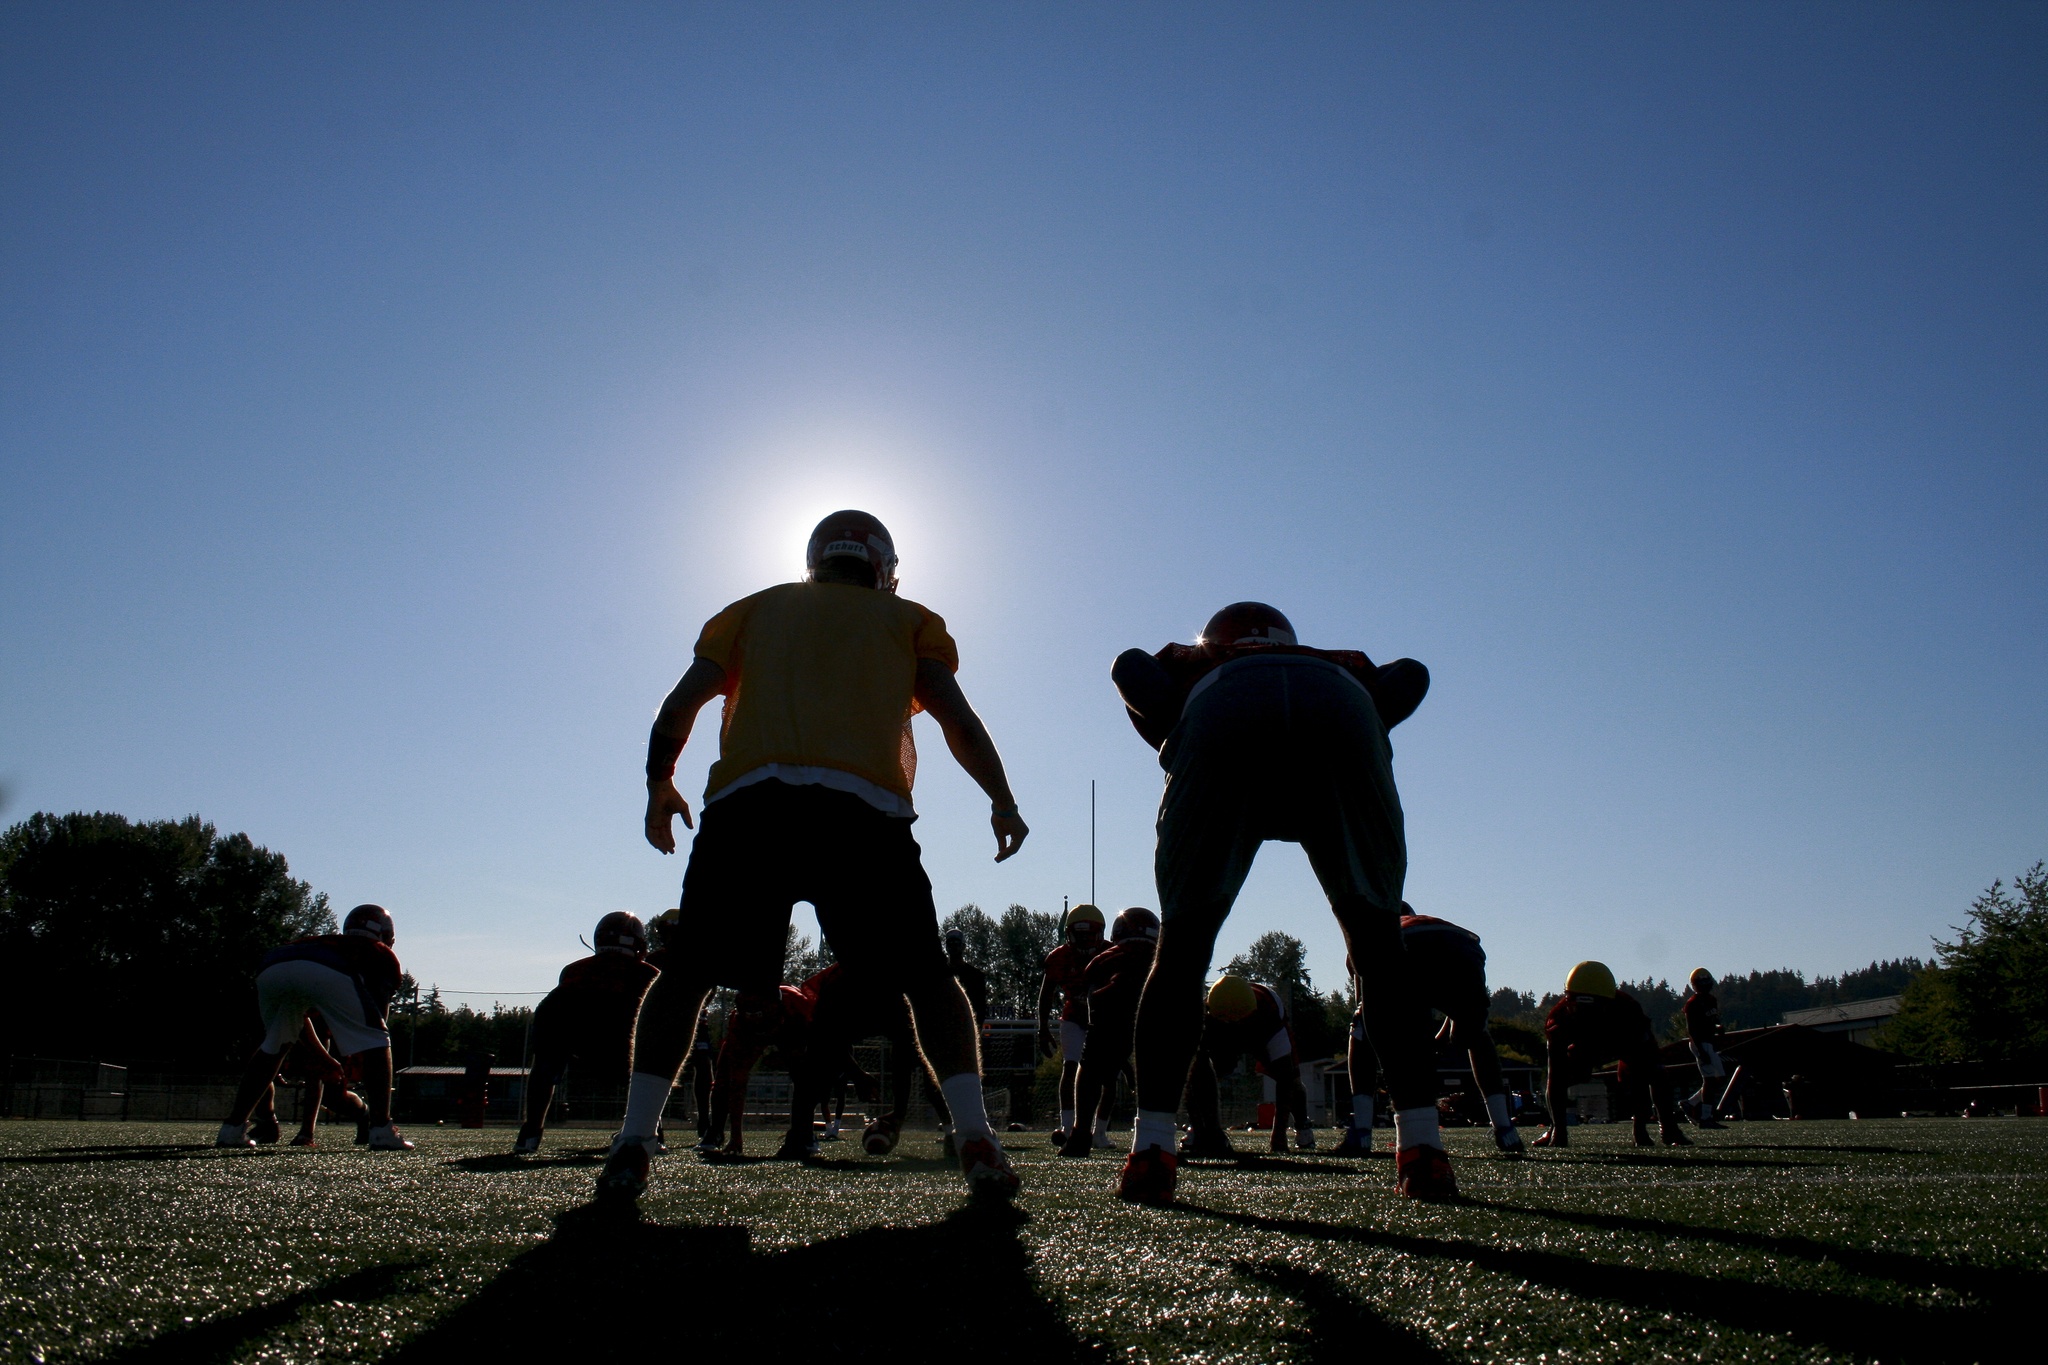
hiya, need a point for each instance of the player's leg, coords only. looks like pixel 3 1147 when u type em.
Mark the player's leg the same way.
pixel 700 1088
pixel 309 1120
pixel 1362 1071
pixel 874 904
pixel 1469 1031
pixel 1206 1138
pixel 541 1082
pixel 733 919
pixel 1107 1048
pixel 281 1001
pixel 1207 840
pixel 1560 1072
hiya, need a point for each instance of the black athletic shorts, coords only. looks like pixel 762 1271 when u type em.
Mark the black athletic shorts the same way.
pixel 769 845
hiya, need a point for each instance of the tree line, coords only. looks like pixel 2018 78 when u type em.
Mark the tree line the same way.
pixel 139 941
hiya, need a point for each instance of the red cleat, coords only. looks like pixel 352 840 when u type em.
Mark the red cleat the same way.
pixel 1148 1177
pixel 990 1176
pixel 1424 1172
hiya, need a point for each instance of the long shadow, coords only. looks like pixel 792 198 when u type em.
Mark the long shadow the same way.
pixel 1700 1159
pixel 1844 1322
pixel 1884 1265
pixel 223 1338
pixel 960 1288
pixel 1874 1149
pixel 1340 1329
pixel 1272 1163
pixel 66 1156
pixel 506 1161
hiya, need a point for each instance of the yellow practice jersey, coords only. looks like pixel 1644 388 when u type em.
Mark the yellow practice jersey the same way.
pixel 822 675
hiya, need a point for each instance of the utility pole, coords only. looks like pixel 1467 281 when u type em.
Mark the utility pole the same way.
pixel 1091 843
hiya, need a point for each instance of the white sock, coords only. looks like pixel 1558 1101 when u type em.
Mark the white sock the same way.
pixel 1361 1111
pixel 1154 1128
pixel 1417 1128
pixel 1066 1120
pixel 963 1097
pixel 1497 1105
pixel 646 1097
pixel 1102 1125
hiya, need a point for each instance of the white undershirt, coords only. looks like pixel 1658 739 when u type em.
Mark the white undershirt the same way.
pixel 807 775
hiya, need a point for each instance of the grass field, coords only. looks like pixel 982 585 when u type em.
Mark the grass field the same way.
pixel 1899 1240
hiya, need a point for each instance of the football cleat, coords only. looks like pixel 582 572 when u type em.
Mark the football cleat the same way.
pixel 625 1170
pixel 388 1139
pixel 1101 1141
pixel 1674 1136
pixel 302 1138
pixel 1304 1139
pixel 880 1136
pixel 831 1133
pixel 265 1130
pixel 1424 1172
pixel 797 1147
pixel 1510 1142
pixel 988 1170
pixel 1356 1142
pixel 1207 1144
pixel 1077 1145
pixel 234 1135
pixel 527 1144
pixel 1148 1177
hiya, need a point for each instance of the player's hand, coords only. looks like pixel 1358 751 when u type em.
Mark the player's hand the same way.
pixel 1010 831
pixel 664 801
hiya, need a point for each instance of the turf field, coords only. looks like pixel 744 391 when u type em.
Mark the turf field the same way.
pixel 1900 1240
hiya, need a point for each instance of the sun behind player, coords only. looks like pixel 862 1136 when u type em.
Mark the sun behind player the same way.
pixel 810 799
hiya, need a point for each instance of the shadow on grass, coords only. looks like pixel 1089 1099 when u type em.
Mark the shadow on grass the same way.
pixel 1340 1330
pixel 1975 1281
pixel 169 1151
pixel 507 1161
pixel 1875 1149
pixel 1843 1322
pixel 1699 1158
pixel 1271 1163
pixel 223 1338
pixel 607 1281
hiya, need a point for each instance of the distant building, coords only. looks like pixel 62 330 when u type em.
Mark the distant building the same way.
pixel 1857 1020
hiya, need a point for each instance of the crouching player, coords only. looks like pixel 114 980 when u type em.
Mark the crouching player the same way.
pixel 1249 1020
pixel 1115 978
pixel 1449 969
pixel 761 1022
pixel 350 979
pixel 1263 738
pixel 1065 986
pixel 1703 1037
pixel 1595 1023
pixel 810 799
pixel 587 1017
pixel 325 1081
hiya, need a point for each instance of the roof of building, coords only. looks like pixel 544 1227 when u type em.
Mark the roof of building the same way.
pixel 1851 1012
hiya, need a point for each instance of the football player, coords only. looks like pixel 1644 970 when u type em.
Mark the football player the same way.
pixel 1065 986
pixel 325 1082
pixel 972 979
pixel 760 1021
pixel 1245 1019
pixel 1264 738
pixel 1448 967
pixel 1114 978
pixel 350 978
pixel 810 800
pixel 849 1007
pixel 1593 1023
pixel 588 1017
pixel 1703 1037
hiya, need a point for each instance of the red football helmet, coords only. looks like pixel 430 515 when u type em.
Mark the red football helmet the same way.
pixel 854 535
pixel 370 921
pixel 1136 922
pixel 620 932
pixel 1248 623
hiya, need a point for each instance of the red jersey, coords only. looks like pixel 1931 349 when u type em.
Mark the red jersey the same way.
pixel 609 974
pixel 1703 1017
pixel 1069 971
pixel 1253 1033
pixel 1115 978
pixel 1597 1028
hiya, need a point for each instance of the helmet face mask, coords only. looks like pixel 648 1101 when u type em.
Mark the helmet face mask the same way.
pixel 855 537
pixel 1085 923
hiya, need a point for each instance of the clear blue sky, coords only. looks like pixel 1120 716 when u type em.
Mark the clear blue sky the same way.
pixel 388 393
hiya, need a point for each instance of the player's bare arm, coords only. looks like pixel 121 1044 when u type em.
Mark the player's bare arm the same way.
pixel 968 739
pixel 665 742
